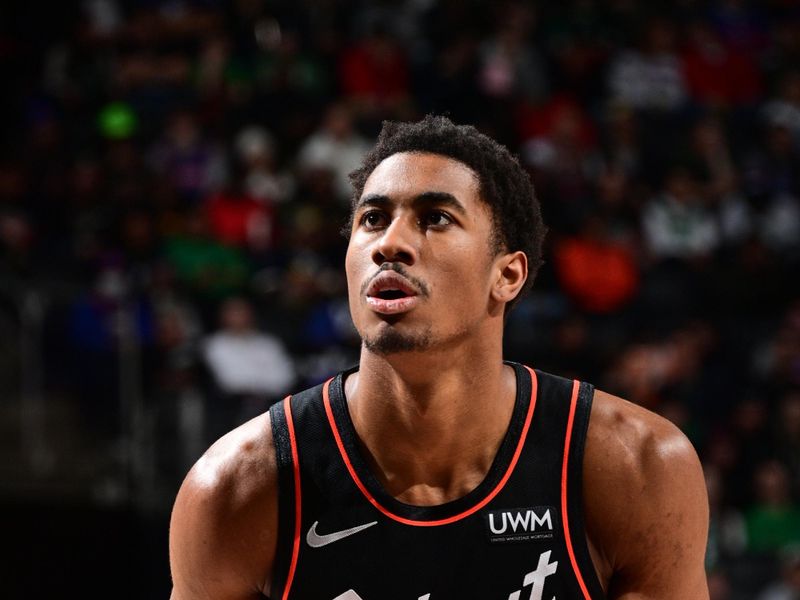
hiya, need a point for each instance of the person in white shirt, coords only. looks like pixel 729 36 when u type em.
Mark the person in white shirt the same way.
pixel 335 147
pixel 250 368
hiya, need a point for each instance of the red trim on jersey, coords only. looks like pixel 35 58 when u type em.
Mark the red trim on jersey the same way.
pixel 461 515
pixel 287 408
pixel 564 517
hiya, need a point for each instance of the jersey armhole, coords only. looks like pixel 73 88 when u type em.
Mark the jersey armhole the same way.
pixel 288 492
pixel 579 422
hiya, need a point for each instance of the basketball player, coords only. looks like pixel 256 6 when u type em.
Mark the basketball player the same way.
pixel 435 470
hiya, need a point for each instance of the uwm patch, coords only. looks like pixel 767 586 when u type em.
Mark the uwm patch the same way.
pixel 521 524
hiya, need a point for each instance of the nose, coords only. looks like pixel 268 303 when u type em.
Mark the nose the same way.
pixel 396 244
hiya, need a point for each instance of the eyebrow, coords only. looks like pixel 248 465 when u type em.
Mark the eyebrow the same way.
pixel 424 199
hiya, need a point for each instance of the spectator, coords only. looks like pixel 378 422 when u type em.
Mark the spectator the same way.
pixel 193 165
pixel 788 587
pixel 335 147
pixel 261 179
pixel 676 223
pixel 559 148
pixel 778 359
pixel 249 368
pixel 727 535
pixel 784 111
pixel 772 182
pixel 237 219
pixel 650 77
pixel 740 24
pixel 579 38
pixel 621 146
pixel 108 326
pixel 718 76
pixel 286 67
pixel 598 273
pixel 244 360
pixel 770 170
pixel 711 158
pixel 773 522
pixel 509 67
pixel 207 268
pixel 650 371
pixel 374 75
pixel 712 162
pixel 616 207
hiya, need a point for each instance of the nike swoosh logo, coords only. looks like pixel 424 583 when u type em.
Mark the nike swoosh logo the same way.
pixel 317 541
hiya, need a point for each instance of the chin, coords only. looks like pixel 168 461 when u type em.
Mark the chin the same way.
pixel 391 341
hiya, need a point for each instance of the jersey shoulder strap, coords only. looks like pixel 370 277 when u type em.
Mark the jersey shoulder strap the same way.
pixel 572 400
pixel 283 417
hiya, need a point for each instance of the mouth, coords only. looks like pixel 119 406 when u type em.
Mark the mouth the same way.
pixel 390 293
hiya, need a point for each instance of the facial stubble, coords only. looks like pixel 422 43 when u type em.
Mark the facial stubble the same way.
pixel 391 341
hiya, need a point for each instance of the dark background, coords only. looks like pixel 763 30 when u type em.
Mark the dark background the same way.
pixel 172 182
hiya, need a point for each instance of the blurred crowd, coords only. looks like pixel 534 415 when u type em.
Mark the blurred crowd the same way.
pixel 173 182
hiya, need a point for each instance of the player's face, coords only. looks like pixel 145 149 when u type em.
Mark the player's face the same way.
pixel 419 263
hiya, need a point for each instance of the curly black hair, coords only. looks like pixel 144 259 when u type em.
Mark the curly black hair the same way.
pixel 503 184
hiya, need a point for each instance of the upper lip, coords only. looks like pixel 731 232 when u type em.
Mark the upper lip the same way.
pixel 389 280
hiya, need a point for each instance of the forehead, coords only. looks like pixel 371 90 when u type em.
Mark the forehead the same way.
pixel 407 174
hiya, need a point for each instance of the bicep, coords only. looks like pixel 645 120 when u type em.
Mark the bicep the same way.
pixel 221 540
pixel 666 533
pixel 646 504
pixel 201 561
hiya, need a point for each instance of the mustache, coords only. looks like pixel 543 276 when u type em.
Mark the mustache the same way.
pixel 398 268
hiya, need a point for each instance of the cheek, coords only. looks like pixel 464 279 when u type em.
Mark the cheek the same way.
pixel 352 270
pixel 465 278
pixel 357 265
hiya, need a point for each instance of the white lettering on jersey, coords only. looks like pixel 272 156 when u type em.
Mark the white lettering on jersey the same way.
pixel 353 595
pixel 349 595
pixel 519 520
pixel 535 579
pixel 544 520
pixel 492 526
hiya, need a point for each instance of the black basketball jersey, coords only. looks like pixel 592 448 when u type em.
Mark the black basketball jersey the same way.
pixel 519 535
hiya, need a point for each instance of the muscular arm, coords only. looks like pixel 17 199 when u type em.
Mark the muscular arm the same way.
pixel 222 531
pixel 646 504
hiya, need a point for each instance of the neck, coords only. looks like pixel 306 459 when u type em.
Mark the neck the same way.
pixel 430 423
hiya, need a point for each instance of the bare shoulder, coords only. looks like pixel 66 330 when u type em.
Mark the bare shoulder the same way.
pixel 638 440
pixel 224 521
pixel 645 502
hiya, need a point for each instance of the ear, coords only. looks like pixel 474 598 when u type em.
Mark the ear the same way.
pixel 512 271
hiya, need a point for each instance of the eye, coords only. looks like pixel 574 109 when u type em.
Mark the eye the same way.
pixel 436 219
pixel 372 219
